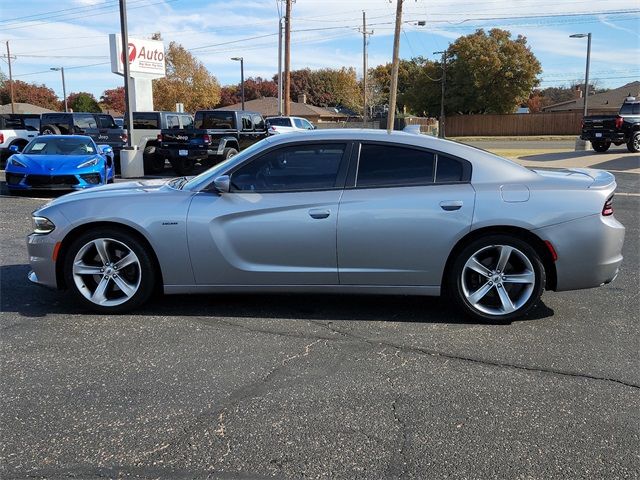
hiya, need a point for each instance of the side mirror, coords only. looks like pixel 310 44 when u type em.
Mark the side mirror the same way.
pixel 14 149
pixel 223 184
pixel 315 127
pixel 106 149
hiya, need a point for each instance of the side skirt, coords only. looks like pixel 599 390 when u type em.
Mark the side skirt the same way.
pixel 421 290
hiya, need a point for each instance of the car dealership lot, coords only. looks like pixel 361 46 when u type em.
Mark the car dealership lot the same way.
pixel 291 386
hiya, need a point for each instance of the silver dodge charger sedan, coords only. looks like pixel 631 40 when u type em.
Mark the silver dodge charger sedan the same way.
pixel 349 211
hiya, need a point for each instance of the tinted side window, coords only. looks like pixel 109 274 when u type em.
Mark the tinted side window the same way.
pixel 258 122
pixel 173 122
pixel 246 122
pixel 106 121
pixel 299 167
pixel 390 165
pixel 215 120
pixel 279 122
pixel 187 121
pixel 84 121
pixel 145 120
pixel 448 169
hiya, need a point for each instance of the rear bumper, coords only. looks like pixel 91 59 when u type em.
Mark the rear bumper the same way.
pixel 174 154
pixel 589 251
pixel 610 135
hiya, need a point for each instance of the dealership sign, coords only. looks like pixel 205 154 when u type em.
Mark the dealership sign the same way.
pixel 146 57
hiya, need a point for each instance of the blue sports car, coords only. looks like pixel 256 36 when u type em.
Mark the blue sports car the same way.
pixel 60 162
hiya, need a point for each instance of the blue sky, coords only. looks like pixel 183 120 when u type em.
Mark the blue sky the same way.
pixel 74 34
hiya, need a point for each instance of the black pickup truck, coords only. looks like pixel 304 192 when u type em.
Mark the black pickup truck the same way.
pixel 603 130
pixel 215 136
pixel 99 126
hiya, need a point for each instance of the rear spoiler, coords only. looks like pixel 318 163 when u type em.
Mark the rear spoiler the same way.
pixel 601 178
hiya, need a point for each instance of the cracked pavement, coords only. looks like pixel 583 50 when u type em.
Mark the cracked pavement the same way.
pixel 279 386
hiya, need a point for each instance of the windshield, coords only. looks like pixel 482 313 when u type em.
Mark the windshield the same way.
pixel 60 146
pixel 214 120
pixel 279 122
pixel 200 181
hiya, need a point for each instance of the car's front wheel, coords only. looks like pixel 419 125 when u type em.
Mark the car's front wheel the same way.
pixel 497 278
pixel 109 270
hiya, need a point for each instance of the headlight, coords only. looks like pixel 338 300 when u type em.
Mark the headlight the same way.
pixel 42 225
pixel 16 163
pixel 89 163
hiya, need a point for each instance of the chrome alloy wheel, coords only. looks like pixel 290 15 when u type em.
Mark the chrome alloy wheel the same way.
pixel 107 272
pixel 498 280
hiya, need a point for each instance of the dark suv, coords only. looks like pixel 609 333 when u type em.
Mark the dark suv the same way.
pixel 99 126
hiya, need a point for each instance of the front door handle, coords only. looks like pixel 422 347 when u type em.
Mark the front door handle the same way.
pixel 451 205
pixel 319 213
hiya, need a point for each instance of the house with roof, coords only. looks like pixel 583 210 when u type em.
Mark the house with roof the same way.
pixel 268 107
pixel 20 107
pixel 606 103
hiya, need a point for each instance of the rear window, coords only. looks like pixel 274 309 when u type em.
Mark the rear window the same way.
pixel 106 121
pixel 214 120
pixel 146 120
pixel 630 109
pixel 279 122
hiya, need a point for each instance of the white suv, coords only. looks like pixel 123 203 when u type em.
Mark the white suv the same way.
pixel 276 125
pixel 14 131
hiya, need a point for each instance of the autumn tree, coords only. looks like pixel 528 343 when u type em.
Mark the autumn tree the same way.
pixel 32 93
pixel 83 102
pixel 379 84
pixel 490 72
pixel 113 99
pixel 188 81
pixel 253 88
pixel 326 87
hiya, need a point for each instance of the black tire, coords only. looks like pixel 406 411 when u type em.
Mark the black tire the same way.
pixel 633 145
pixel 463 282
pixel 50 130
pixel 215 159
pixel 600 145
pixel 117 243
pixel 153 163
pixel 183 166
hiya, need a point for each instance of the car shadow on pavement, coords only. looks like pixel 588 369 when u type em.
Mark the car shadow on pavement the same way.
pixel 625 161
pixel 28 300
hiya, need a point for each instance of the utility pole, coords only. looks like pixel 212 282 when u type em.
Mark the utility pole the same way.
pixel 364 65
pixel 125 61
pixel 64 87
pixel 394 69
pixel 13 109
pixel 241 60
pixel 443 81
pixel 287 59
pixel 279 64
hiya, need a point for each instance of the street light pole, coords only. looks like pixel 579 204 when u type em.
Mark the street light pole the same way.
pixel 64 86
pixel 126 69
pixel 443 81
pixel 586 75
pixel 241 60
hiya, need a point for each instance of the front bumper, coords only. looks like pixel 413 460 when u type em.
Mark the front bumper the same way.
pixel 21 181
pixel 43 268
pixel 589 251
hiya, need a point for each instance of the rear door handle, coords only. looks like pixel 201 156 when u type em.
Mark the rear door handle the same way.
pixel 319 213
pixel 450 205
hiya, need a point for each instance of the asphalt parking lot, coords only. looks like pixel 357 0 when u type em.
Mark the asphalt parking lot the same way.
pixel 262 386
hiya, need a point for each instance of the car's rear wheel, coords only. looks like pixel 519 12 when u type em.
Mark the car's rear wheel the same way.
pixel 153 162
pixel 600 145
pixel 109 270
pixel 634 143
pixel 497 278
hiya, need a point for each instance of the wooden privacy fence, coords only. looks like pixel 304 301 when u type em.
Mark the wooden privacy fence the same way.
pixel 564 123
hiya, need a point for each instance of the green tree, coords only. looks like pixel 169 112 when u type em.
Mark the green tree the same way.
pixel 327 87
pixel 490 73
pixel 188 81
pixel 83 102
pixel 380 81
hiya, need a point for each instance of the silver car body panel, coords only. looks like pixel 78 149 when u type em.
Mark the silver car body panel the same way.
pixel 375 240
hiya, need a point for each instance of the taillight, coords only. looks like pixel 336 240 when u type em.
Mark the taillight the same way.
pixel 619 122
pixel 1 137
pixel 607 210
pixel 160 137
pixel 206 138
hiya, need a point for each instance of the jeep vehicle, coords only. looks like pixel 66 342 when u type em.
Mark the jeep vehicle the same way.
pixel 215 136
pixel 99 126
pixel 16 130
pixel 603 130
pixel 146 128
